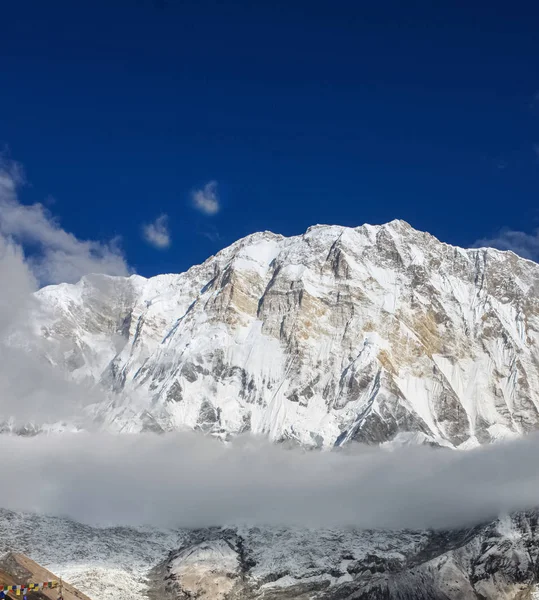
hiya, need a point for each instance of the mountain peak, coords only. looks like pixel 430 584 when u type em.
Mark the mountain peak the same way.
pixel 374 333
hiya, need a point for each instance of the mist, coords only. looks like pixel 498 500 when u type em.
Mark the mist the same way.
pixel 188 480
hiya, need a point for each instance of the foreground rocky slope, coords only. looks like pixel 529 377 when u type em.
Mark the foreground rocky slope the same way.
pixel 494 561
pixel 340 334
pixel 109 563
pixel 18 569
pixel 489 562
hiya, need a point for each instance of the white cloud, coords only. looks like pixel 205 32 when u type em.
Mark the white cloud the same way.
pixel 519 242
pixel 56 255
pixel 18 284
pixel 206 199
pixel 138 479
pixel 31 390
pixel 157 233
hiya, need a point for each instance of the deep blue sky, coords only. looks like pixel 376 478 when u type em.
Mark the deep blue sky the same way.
pixel 304 112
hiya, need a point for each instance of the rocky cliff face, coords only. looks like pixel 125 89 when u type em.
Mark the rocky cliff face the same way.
pixel 489 562
pixel 370 334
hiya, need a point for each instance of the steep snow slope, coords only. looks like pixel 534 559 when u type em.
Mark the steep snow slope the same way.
pixel 368 334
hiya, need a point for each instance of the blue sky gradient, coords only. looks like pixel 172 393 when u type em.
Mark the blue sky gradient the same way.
pixel 301 112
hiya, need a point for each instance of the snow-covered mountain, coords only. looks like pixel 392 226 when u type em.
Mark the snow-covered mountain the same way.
pixel 373 334
pixel 380 334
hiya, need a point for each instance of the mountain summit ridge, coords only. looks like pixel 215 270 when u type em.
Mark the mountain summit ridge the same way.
pixel 377 333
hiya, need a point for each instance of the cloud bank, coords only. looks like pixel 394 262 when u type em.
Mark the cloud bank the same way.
pixel 187 480
pixel 206 199
pixel 56 255
pixel 32 391
pixel 157 233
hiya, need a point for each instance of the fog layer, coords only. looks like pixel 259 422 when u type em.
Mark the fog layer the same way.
pixel 189 480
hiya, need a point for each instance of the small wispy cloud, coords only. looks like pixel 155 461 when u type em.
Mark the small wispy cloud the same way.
pixel 209 231
pixel 206 199
pixel 521 243
pixel 534 102
pixel 213 236
pixel 157 233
